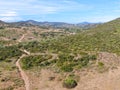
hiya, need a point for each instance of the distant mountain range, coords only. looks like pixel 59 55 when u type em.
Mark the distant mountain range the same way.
pixel 84 25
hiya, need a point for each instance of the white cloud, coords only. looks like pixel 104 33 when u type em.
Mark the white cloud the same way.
pixel 17 9
pixel 10 9
pixel 8 14
pixel 10 19
pixel 42 6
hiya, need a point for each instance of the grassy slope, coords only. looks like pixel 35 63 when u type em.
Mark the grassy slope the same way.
pixel 104 38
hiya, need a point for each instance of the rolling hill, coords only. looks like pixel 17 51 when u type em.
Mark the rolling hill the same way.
pixel 93 52
pixel 83 25
pixel 103 37
pixel 86 60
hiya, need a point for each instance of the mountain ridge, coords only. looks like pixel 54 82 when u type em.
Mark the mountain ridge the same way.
pixel 85 25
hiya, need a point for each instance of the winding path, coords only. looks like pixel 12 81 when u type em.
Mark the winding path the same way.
pixel 27 53
pixel 23 74
pixel 107 81
pixel 20 40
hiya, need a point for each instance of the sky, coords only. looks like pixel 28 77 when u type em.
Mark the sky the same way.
pixel 71 11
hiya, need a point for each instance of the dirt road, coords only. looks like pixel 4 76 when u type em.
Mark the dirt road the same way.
pixel 20 40
pixel 23 74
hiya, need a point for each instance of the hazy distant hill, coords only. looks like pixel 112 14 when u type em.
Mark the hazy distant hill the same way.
pixel 2 23
pixel 87 25
pixel 84 25
pixel 62 24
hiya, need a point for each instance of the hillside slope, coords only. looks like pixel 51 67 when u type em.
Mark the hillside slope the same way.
pixel 104 37
pixel 88 56
pixel 74 61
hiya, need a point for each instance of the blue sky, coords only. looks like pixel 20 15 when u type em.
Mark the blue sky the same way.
pixel 72 11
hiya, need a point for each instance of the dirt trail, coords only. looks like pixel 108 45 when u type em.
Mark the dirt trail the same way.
pixel 25 51
pixel 106 81
pixel 20 40
pixel 23 74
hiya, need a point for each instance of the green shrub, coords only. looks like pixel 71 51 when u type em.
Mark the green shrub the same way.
pixel 14 39
pixel 9 88
pixel 67 68
pixel 69 83
pixel 100 64
pixel 101 67
pixel 9 52
pixel 93 57
pixel 32 61
pixel 84 61
pixel 45 63
pixel 2 27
